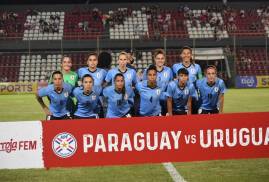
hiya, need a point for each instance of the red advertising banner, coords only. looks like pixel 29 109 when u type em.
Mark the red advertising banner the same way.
pixel 155 139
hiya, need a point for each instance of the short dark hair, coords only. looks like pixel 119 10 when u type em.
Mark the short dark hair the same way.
pixel 65 56
pixel 118 75
pixel 92 54
pixel 211 67
pixel 158 51
pixel 87 76
pixel 56 73
pixel 186 47
pixel 183 71
pixel 152 67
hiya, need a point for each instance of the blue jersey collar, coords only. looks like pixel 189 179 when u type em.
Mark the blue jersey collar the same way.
pixel 186 66
pixel 87 94
pixel 92 71
pixel 59 92
pixel 124 71
pixel 161 70
pixel 210 85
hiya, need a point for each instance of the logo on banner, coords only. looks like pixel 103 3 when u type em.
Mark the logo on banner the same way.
pixel 246 81
pixel 64 145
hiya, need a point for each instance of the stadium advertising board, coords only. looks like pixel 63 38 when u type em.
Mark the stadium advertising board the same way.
pixel 21 145
pixel 137 140
pixel 262 81
pixel 17 87
pixel 246 82
pixel 252 81
pixel 155 139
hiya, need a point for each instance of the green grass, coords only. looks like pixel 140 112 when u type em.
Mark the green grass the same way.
pixel 24 107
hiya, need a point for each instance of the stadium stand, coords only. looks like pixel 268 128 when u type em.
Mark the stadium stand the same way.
pixel 44 26
pixel 252 61
pixel 81 24
pixel 149 23
pixel 38 67
pixel 128 24
pixel 243 22
pixel 11 24
pixel 9 69
pixel 204 24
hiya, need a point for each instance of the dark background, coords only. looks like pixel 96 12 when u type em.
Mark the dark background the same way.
pixel 16 2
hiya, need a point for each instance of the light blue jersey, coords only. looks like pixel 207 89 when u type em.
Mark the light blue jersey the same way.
pixel 86 104
pixel 179 95
pixel 129 77
pixel 194 70
pixel 149 99
pixel 98 76
pixel 118 105
pixel 58 101
pixel 163 79
pixel 209 95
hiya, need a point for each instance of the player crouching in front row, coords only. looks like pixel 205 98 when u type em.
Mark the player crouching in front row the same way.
pixel 87 99
pixel 58 93
pixel 180 93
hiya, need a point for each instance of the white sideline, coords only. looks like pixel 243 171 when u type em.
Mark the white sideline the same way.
pixel 173 172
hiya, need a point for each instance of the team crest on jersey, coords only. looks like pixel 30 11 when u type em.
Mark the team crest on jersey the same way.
pixel 165 75
pixel 98 75
pixel 94 97
pixel 158 91
pixel 126 97
pixel 192 70
pixel 186 91
pixel 66 94
pixel 64 145
pixel 72 77
pixel 216 89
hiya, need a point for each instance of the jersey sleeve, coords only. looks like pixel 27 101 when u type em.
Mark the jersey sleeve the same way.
pixel 76 79
pixel 144 76
pixel 171 74
pixel 43 92
pixel 104 72
pixel 222 87
pixel 169 91
pixel 138 86
pixel 74 93
pixel 69 88
pixel 79 73
pixel 105 92
pixel 198 84
pixel 134 81
pixel 199 72
pixel 193 92
pixel 108 77
pixel 174 71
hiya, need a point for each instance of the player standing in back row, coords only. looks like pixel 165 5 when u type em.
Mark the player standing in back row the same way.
pixel 164 76
pixel 98 75
pixel 194 70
